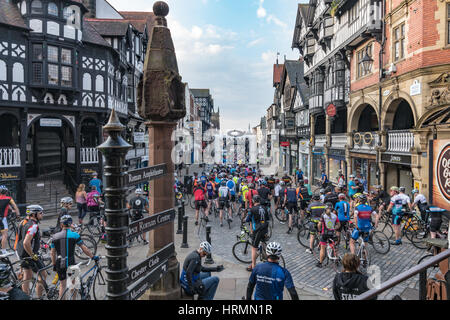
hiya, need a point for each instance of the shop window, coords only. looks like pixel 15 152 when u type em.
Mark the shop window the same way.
pixel 52 54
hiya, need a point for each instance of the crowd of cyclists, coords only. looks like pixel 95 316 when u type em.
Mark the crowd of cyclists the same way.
pixel 330 209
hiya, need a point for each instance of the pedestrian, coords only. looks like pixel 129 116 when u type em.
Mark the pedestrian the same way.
pixel 81 200
pixel 96 182
pixel 350 283
pixel 324 179
pixel 197 279
pixel 5 203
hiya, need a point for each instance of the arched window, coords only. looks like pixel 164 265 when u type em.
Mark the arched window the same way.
pixel 36 7
pixel 99 83
pixel 2 70
pixel 52 9
pixel 87 82
pixel 18 73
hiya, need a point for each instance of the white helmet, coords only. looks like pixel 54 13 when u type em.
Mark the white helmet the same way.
pixel 274 249
pixel 138 191
pixel 206 247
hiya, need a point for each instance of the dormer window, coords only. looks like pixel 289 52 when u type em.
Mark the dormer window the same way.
pixel 36 7
pixel 52 9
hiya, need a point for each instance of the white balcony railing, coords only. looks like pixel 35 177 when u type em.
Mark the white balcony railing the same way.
pixel 9 157
pixel 88 155
pixel 400 141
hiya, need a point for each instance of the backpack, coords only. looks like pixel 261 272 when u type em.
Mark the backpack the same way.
pixel 291 195
pixel 91 201
pixel 304 192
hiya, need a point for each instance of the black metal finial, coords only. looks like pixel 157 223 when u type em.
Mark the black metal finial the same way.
pixel 114 124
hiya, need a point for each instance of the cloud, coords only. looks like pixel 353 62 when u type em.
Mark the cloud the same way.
pixel 261 12
pixel 278 22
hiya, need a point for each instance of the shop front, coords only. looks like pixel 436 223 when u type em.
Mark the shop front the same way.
pixel 303 154
pixel 336 162
pixel 318 164
pixel 366 166
pixel 398 171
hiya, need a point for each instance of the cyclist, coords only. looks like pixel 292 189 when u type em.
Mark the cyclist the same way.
pixel 63 250
pixel 249 195
pixel 381 199
pixel 306 197
pixel 231 185
pixel 343 210
pixel 5 203
pixel 8 288
pixel 315 209
pixel 199 197
pixel 322 195
pixel 224 202
pixel 259 218
pixel 265 194
pixel 363 221
pixel 398 203
pixel 291 196
pixel 328 224
pixel 324 179
pixel 196 279
pixel 96 182
pixel 28 247
pixel 352 188
pixel 66 204
pixel 420 201
pixel 271 182
pixel 276 193
pixel 270 278
pixel 137 205
pixel 350 282
pixel 286 178
pixel 210 187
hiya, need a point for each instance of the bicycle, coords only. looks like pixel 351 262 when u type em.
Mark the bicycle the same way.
pixel 203 221
pixel 332 255
pixel 242 249
pixel 132 218
pixel 306 229
pixel 13 222
pixel 48 292
pixel 363 253
pixel 96 282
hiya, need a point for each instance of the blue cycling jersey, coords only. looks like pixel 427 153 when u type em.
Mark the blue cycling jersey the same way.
pixel 343 210
pixel 232 187
pixel 364 213
pixel 270 279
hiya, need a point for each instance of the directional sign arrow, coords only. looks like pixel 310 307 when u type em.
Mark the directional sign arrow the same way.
pixel 150 223
pixel 144 175
pixel 139 289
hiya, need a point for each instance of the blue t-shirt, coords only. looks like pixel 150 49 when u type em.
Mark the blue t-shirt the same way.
pixel 343 210
pixel 270 279
pixel 300 175
pixel 97 183
pixel 351 191
pixel 324 176
pixel 364 213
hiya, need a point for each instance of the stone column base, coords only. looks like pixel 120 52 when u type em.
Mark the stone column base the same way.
pixel 168 288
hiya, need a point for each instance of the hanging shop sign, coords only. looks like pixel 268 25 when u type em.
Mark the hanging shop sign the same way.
pixel 441 173
pixel 318 151
pixel 331 110
pixel 285 143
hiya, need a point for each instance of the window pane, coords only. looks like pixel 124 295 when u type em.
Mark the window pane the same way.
pixel 66 76
pixel 37 52
pixel 403 30
pixel 52 9
pixel 402 48
pixel 396 50
pixel 36 7
pixel 37 72
pixel 396 33
pixel 66 56
pixel 52 54
pixel 448 32
pixel 52 74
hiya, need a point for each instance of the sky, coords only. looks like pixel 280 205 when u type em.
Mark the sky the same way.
pixel 229 47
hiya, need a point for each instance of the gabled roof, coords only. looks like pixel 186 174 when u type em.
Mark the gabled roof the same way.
pixel 91 35
pixel 277 72
pixel 200 93
pixel 302 15
pixel 295 72
pixel 110 27
pixel 140 19
pixel 10 15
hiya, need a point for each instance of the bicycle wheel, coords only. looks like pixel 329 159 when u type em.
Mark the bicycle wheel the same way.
pixel 279 215
pixel 418 238
pixel 99 287
pixel 35 287
pixel 90 243
pixel 365 260
pixel 386 228
pixel 282 262
pixel 431 271
pixel 11 238
pixel 94 226
pixel 303 236
pixel 380 242
pixel 242 251
pixel 70 294
pixel 269 232
pixel 192 202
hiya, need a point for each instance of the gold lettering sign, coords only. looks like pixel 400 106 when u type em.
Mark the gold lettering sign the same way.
pixel 4 175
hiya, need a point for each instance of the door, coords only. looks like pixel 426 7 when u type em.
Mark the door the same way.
pixel 49 153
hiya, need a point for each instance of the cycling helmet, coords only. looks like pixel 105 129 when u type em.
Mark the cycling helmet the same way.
pixel 94 174
pixel 273 249
pixel 34 209
pixel 322 191
pixel 66 220
pixel 301 182
pixel 351 176
pixel 281 183
pixel 394 189
pixel 341 196
pixel 256 198
pixel 402 189
pixel 415 191
pixel 223 183
pixel 5 272
pixel 264 183
pixel 316 197
pixel 3 189
pixel 138 191
pixel 362 198
pixel 66 200
pixel 206 247
pixel 251 185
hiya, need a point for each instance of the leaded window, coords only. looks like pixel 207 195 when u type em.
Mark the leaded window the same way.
pixel 52 9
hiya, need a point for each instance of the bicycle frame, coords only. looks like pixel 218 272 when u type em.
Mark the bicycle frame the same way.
pixel 84 287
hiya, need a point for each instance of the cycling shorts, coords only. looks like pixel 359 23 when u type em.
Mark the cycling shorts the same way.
pixel 291 207
pixel 343 224
pixel 233 198
pixel 224 204
pixel 4 224
pixel 435 225
pixel 62 273
pixel 35 266
pixel 396 219
pixel 200 203
pixel 303 204
pixel 327 235
pixel 363 233
pixel 136 215
pixel 258 236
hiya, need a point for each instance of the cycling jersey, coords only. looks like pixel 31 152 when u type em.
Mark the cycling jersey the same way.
pixel 223 193
pixel 259 218
pixel 210 188
pixel 64 243
pixel 364 214
pixel 351 191
pixel 291 195
pixel 316 209
pixel 4 205
pixel 398 201
pixel 264 195
pixel 232 187
pixel 420 199
pixel 249 196
pixel 304 192
pixel 244 190
pixel 199 193
pixel 270 279
pixel 343 210
pixel 30 228
pixel 329 222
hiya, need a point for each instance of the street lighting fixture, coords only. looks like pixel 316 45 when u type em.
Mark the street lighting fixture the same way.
pixel 367 63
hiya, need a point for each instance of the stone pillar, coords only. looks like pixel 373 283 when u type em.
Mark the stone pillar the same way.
pixel 312 143
pixel 161 101
pixel 327 147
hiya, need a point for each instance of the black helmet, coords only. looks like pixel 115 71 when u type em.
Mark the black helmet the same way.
pixel 402 189
pixel 362 198
pixel 66 220
pixel 5 273
pixel 3 189
pixel 329 205
pixel 316 196
pixel 256 198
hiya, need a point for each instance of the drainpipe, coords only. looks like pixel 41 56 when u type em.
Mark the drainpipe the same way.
pixel 380 96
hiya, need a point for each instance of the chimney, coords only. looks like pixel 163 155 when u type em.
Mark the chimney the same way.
pixel 91 6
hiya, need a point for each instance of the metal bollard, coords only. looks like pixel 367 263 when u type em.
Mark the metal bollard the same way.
pixel 208 259
pixel 180 218
pixel 185 227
